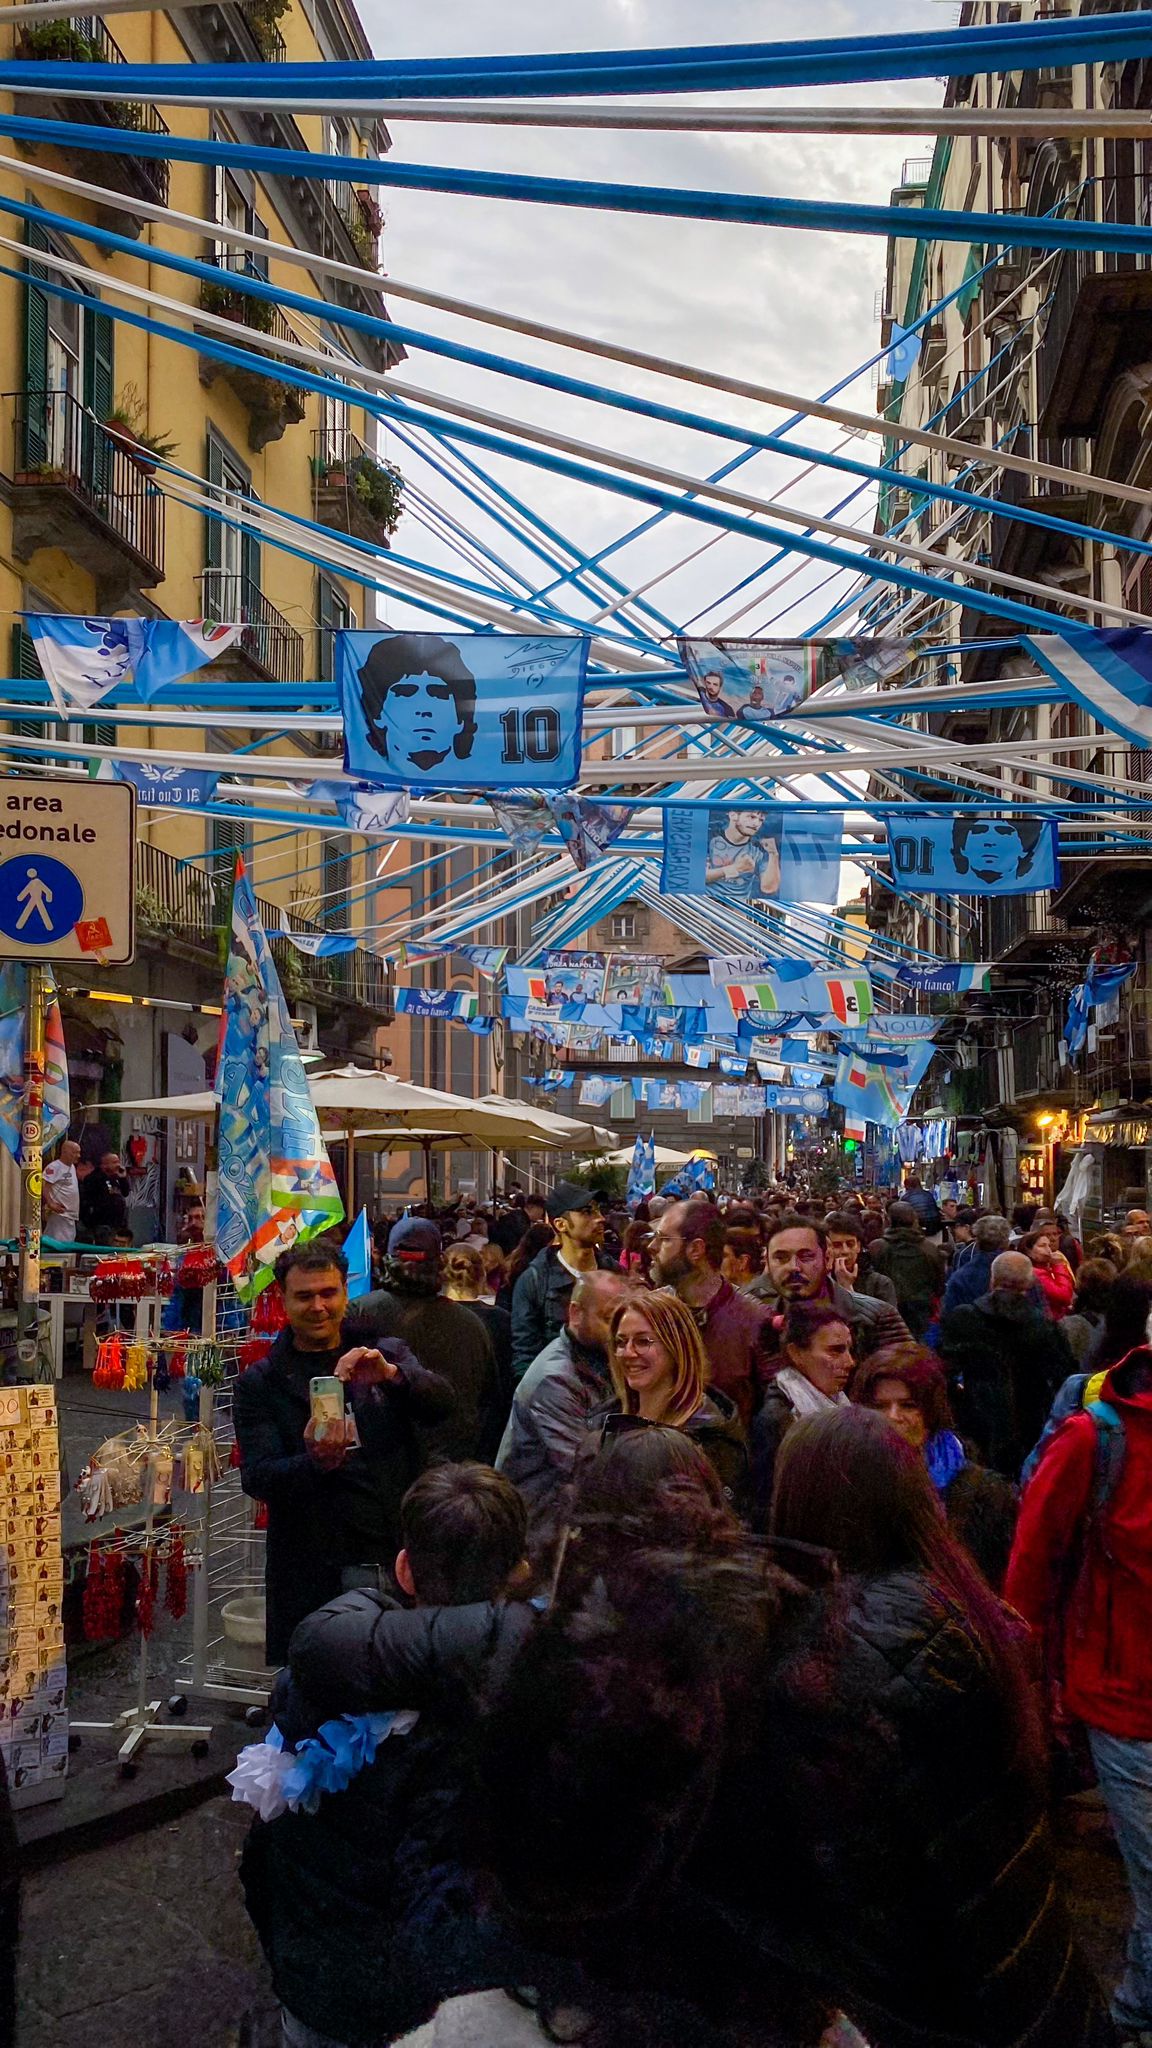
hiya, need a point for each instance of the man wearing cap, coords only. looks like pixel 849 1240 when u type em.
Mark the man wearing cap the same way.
pixel 542 1293
pixel 444 1335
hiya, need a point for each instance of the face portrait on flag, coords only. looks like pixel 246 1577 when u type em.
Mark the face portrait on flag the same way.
pixel 752 680
pixel 743 853
pixel 490 711
pixel 975 853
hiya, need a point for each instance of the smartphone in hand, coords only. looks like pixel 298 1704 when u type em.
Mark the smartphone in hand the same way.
pixel 326 1397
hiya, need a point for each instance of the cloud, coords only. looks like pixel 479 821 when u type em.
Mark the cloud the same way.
pixel 791 309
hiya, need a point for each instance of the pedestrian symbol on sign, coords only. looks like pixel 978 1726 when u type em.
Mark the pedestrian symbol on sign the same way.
pixel 40 899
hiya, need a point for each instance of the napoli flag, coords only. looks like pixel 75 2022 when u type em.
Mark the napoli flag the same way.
pixel 1107 670
pixel 358 1252
pixel 84 660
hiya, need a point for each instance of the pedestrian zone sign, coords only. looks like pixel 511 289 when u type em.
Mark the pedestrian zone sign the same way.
pixel 67 861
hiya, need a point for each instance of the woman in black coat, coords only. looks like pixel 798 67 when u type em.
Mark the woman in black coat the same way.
pixel 904 1773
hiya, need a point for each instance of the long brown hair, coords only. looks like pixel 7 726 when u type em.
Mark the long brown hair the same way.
pixel 674 1327
pixel 847 1481
pixel 534 1240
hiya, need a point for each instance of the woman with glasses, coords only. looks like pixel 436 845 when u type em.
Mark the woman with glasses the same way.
pixel 660 1374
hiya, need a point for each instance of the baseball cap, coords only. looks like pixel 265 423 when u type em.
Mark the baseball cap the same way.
pixel 415 1237
pixel 566 1196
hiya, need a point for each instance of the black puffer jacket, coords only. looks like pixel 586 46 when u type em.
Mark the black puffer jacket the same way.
pixel 911 1875
pixel 871 1830
pixel 717 1430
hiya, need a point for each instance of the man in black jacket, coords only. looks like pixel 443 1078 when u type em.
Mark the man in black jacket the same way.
pixel 363 1908
pixel 1006 1361
pixel 333 1502
pixel 446 1337
pixel 542 1293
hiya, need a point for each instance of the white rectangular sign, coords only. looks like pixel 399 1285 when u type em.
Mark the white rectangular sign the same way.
pixel 67 870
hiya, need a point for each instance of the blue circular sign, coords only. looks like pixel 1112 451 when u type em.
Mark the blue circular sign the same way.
pixel 40 899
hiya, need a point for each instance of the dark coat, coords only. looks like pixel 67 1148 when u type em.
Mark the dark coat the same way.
pixel 305 1547
pixel 911 1875
pixel 716 1429
pixel 449 1340
pixel 1005 1363
pixel 769 1429
pixel 874 1324
pixel 540 1305
pixel 916 1269
pixel 549 1419
pixel 910 1879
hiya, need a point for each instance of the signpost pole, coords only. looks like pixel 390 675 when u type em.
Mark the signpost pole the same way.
pixel 32 1166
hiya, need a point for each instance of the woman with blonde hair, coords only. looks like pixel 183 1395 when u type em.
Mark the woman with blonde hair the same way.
pixel 660 1374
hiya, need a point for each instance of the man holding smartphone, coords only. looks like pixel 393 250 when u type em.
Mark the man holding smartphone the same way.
pixel 332 1485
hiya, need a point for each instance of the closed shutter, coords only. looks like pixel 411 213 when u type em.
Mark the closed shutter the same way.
pixel 25 669
pixel 98 457
pixel 213 532
pixel 35 449
pixel 250 569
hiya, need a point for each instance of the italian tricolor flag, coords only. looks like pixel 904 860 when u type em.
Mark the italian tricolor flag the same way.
pixel 746 996
pixel 850 999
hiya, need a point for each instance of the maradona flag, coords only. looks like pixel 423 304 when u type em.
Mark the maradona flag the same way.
pixel 488 711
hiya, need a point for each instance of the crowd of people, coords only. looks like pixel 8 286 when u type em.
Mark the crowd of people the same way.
pixel 691 1617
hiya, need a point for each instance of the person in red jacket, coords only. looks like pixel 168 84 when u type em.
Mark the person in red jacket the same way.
pixel 1053 1274
pixel 1081 1574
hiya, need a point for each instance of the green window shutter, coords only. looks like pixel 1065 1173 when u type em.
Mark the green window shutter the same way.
pixel 250 564
pixel 99 360
pixel 35 450
pixel 25 669
pixel 213 544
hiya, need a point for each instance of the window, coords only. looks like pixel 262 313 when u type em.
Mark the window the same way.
pixel 231 555
pixel 68 363
pixel 334 614
pixel 622 926
pixel 702 1114
pixel 234 206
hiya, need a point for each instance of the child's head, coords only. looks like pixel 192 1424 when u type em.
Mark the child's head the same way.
pixel 464 1531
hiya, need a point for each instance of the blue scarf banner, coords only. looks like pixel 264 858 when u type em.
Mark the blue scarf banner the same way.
pixel 751 855
pixel 597 1089
pixel 488 711
pixel 358 1252
pixel 164 789
pixel 320 945
pixel 870 1092
pixel 1105 669
pixel 945 979
pixel 362 807
pixel 588 830
pixel 642 1173
pixel 802 1101
pixel 1099 986
pixel 677 1095
pixel 85 659
pixel 487 960
pixel 457 1004
pixel 973 853
pixel 276 1187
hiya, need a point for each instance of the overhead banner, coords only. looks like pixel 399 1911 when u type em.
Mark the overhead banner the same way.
pixel 973 853
pixel 750 680
pixel 1105 669
pixel 84 660
pixel 363 808
pixel 597 1089
pixel 456 1004
pixel 801 1101
pixel 681 1095
pixel 751 855
pixel 747 1101
pixel 587 829
pixel 165 789
pixel 482 711
pixel 945 979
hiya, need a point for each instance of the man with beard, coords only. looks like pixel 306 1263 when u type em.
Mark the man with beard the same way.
pixel 687 1254
pixel 799 1268
pixel 558 1394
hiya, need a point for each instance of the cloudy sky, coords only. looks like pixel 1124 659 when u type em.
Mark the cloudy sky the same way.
pixel 790 309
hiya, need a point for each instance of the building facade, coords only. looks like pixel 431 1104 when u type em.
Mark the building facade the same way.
pixel 1048 355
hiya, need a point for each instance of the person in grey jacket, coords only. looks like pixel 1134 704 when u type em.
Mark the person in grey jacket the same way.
pixel 542 1293
pixel 562 1388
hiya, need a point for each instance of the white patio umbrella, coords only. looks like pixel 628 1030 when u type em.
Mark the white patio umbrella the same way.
pixel 570 1131
pixel 664 1156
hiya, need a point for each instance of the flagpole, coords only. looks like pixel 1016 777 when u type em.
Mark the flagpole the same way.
pixel 32 1161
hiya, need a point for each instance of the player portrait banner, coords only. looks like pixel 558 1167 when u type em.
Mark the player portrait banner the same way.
pixel 486 711
pixel 751 855
pixel 750 680
pixel 973 853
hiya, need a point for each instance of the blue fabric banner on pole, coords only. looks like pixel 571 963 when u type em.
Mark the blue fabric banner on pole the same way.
pixel 751 855
pixel 463 711
pixel 973 853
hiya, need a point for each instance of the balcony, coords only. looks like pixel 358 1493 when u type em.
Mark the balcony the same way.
pixel 1099 321
pixel 245 34
pixel 352 490
pixel 1021 550
pixel 180 903
pixel 273 405
pixel 77 487
pixel 272 649
pixel 83 39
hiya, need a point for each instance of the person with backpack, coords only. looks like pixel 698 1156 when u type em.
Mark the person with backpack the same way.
pixel 1081 1575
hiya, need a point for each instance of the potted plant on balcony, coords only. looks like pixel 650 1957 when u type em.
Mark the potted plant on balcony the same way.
pixel 378 488
pixel 239 306
pixel 125 425
pixel 264 18
pixel 55 42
